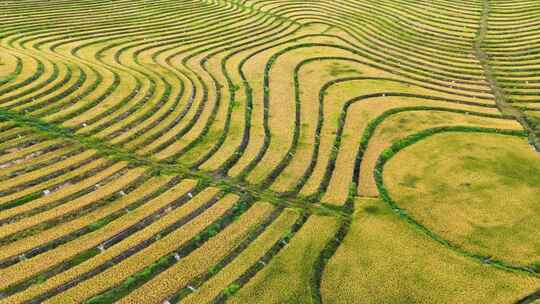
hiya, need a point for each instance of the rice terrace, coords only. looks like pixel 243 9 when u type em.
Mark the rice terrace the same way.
pixel 270 151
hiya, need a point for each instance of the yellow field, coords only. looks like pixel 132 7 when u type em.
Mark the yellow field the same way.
pixel 269 151
pixel 381 253
pixel 478 192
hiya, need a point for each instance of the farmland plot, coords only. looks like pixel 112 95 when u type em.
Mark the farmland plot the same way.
pixel 265 151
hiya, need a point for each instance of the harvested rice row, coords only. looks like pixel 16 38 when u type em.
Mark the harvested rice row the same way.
pixel 135 219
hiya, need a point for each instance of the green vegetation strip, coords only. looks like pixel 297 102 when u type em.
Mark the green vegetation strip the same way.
pixel 331 247
pixel 166 261
pixel 255 268
pixel 198 281
pixel 385 195
pixel 161 167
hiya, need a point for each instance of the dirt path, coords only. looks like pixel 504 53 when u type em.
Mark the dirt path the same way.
pixel 500 99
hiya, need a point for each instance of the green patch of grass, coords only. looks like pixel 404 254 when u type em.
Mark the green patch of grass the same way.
pixel 338 69
pixel 410 180
pixel 7 79
pixel 84 256
pixel 41 279
pixel 235 104
pixel 372 209
pixel 512 168
pixel 536 265
pixel 231 289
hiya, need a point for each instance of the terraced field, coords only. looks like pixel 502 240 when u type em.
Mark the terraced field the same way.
pixel 269 151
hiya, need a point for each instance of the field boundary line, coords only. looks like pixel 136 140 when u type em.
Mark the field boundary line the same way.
pixel 225 183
